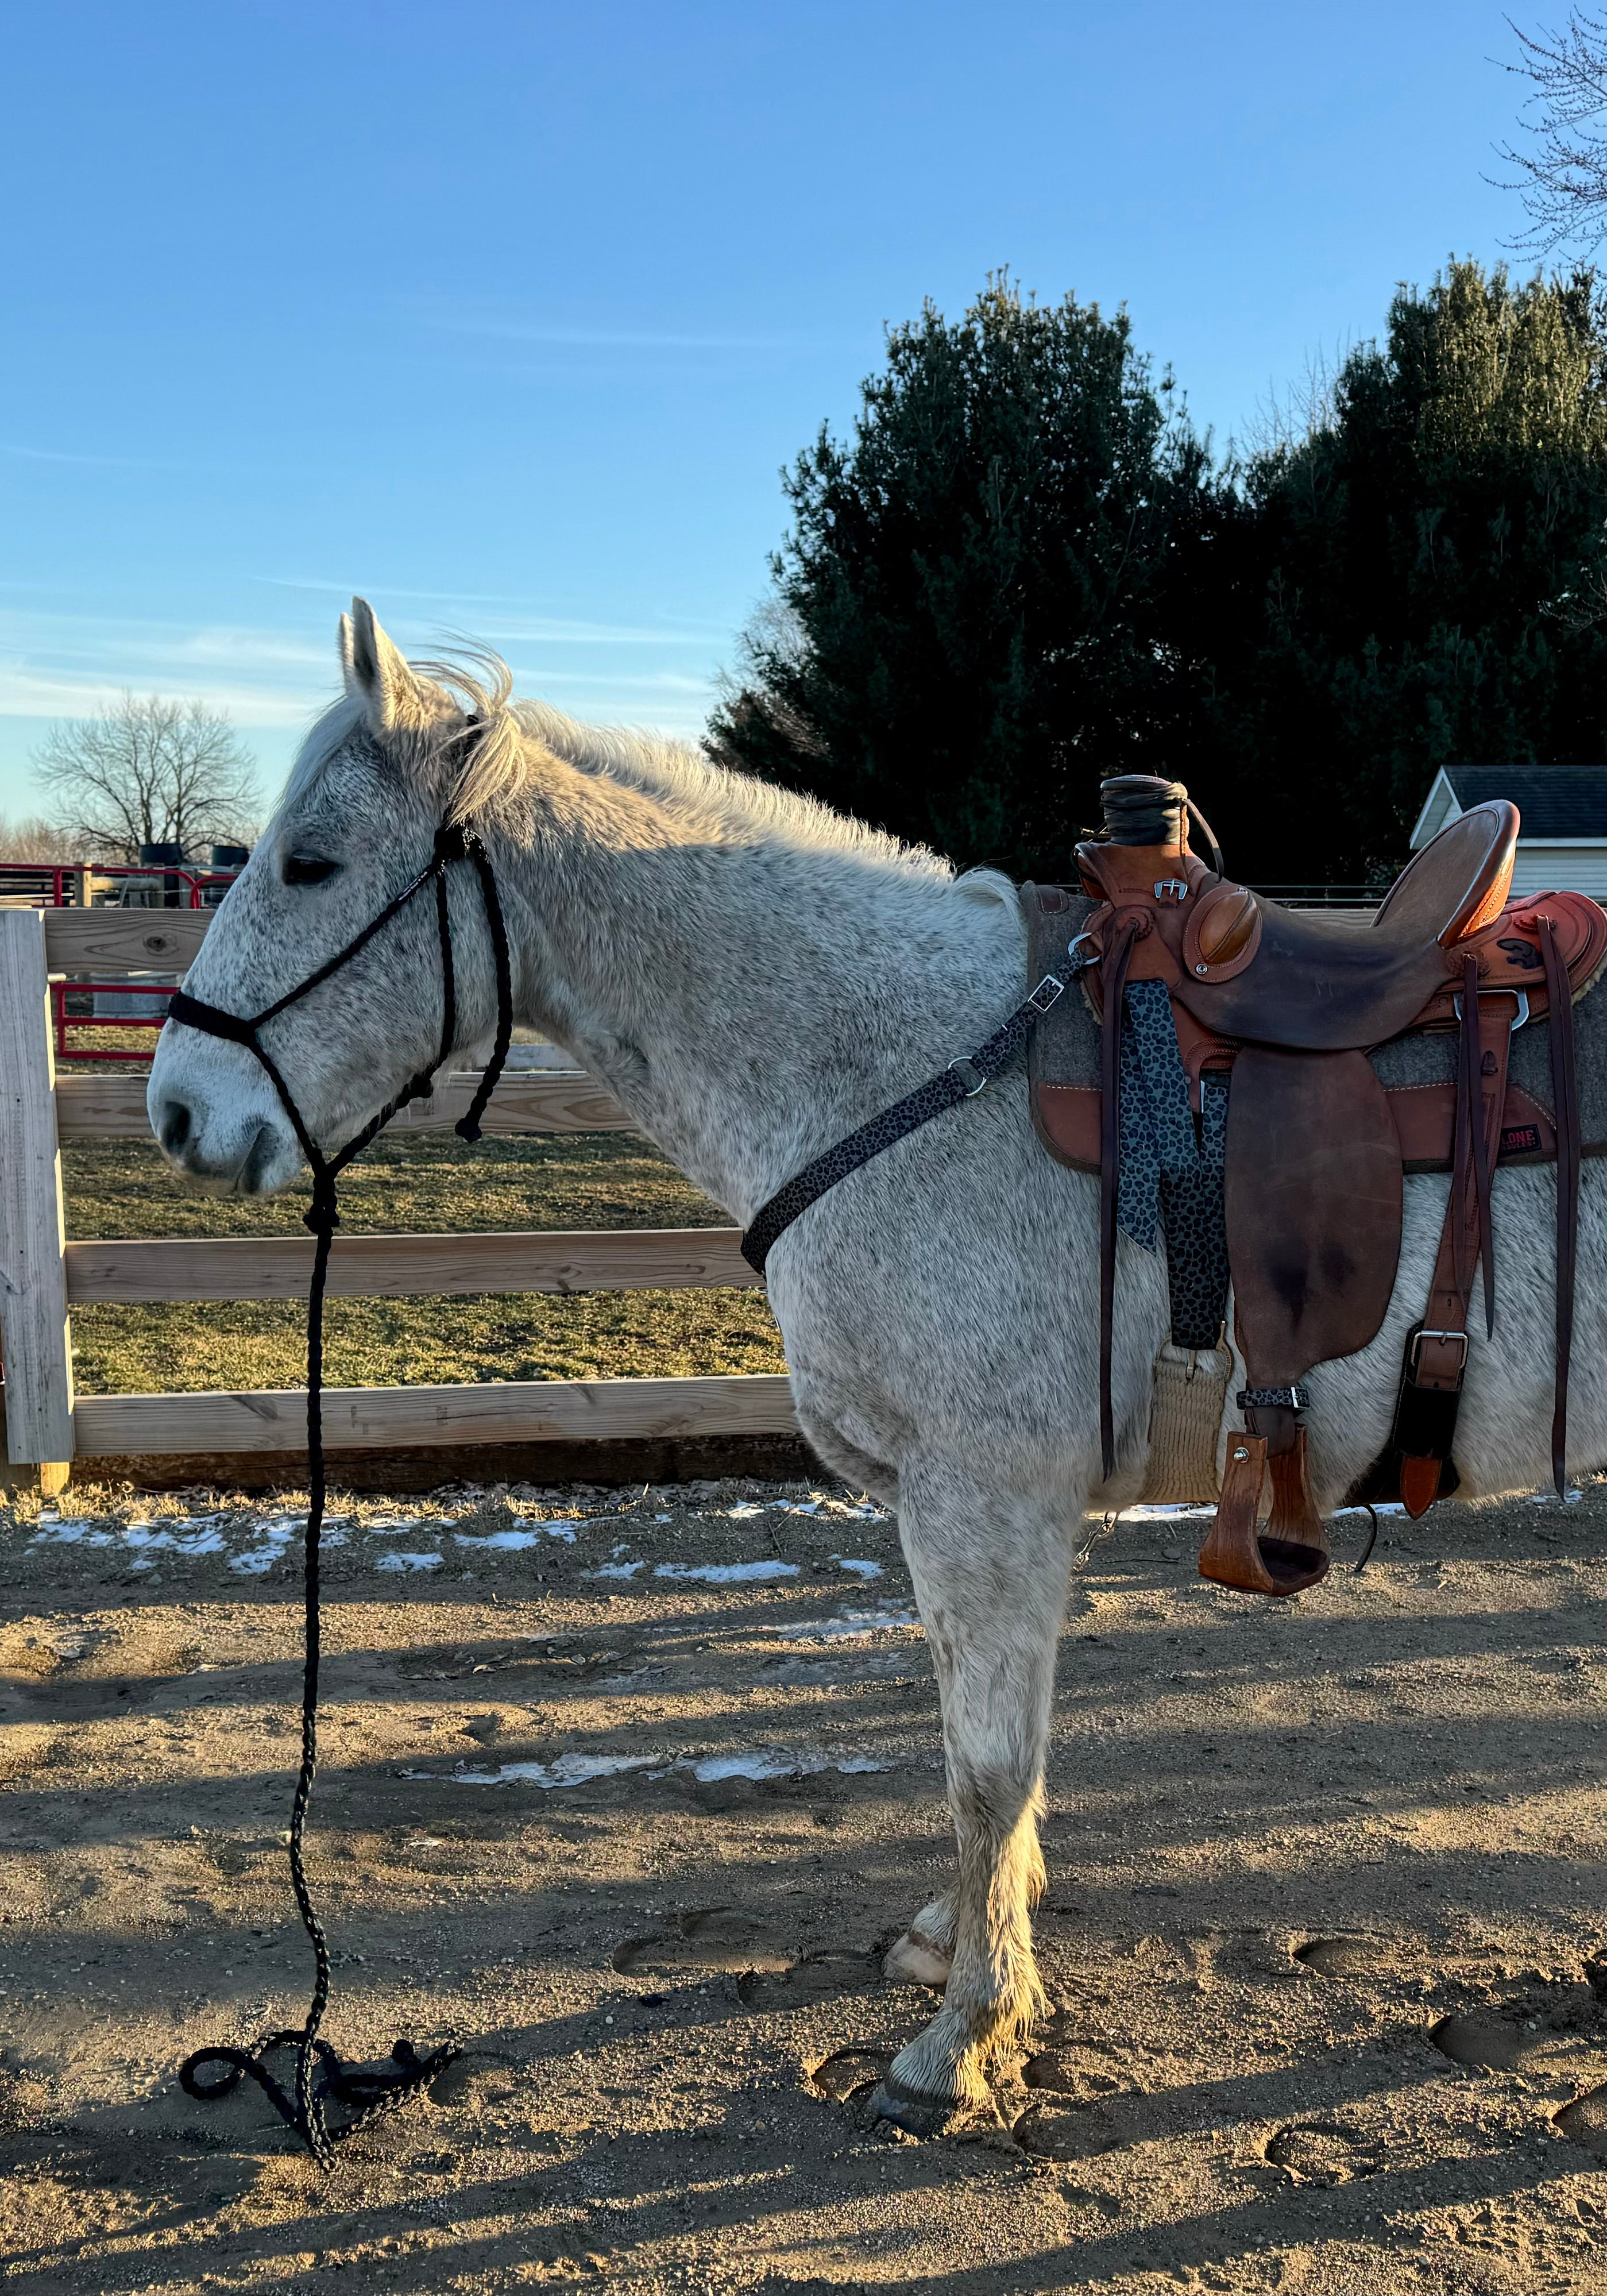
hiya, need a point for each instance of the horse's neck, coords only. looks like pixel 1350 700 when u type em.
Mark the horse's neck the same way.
pixel 750 1002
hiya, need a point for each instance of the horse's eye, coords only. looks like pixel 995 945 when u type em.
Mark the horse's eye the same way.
pixel 308 869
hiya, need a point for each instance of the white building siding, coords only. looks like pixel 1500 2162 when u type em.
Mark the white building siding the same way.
pixel 1561 868
pixel 1439 806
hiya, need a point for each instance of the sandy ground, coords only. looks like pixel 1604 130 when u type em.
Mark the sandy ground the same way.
pixel 1325 1896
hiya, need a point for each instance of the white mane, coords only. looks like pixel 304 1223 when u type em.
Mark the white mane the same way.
pixel 504 743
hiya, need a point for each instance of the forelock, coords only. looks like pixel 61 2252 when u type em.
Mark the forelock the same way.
pixel 465 757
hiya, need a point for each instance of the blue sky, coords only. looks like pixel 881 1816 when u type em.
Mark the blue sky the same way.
pixel 509 314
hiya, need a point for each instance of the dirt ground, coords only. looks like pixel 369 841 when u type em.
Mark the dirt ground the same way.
pixel 1325 1906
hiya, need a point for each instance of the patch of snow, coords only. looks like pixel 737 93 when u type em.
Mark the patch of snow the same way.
pixel 69 1530
pixel 743 1509
pixel 723 1574
pixel 148 1541
pixel 861 1570
pixel 396 1561
pixel 275 1534
pixel 1169 1512
pixel 1380 1507
pixel 517 1535
pixel 567 1770
pixel 850 1626
pixel 616 1570
pixel 780 1762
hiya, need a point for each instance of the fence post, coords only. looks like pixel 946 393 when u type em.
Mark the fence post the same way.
pixel 35 1338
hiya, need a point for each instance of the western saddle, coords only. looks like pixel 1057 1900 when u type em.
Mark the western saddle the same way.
pixel 1276 1012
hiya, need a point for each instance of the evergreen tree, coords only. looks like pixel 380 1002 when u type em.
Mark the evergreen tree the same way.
pixel 979 610
pixel 1022 573
pixel 1420 580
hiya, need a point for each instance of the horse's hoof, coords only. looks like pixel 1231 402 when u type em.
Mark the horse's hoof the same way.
pixel 917 2116
pixel 913 1961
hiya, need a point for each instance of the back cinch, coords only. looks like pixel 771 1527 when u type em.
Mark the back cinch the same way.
pixel 322 2075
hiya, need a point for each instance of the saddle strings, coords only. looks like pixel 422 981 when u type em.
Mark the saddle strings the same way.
pixel 321 2073
pixel 1112 990
pixel 1565 1098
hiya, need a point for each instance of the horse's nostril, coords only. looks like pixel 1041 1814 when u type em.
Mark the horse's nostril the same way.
pixel 174 1126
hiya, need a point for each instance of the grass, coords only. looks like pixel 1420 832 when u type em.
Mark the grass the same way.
pixel 418 1182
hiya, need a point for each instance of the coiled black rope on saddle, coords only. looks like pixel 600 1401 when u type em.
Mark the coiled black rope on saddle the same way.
pixel 323 2076
pixel 1146 810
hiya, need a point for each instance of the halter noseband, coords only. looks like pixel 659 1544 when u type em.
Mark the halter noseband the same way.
pixel 452 843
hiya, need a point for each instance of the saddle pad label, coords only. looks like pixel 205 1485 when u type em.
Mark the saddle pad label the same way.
pixel 1520 1140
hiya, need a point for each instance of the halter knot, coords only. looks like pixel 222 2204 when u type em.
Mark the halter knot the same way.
pixel 322 1215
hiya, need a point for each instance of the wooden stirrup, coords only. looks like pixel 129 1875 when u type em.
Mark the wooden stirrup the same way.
pixel 1292 1552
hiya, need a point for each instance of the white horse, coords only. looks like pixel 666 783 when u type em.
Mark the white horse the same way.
pixel 754 977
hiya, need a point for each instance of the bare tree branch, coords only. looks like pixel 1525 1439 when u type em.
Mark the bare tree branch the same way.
pixel 149 772
pixel 33 839
pixel 1564 177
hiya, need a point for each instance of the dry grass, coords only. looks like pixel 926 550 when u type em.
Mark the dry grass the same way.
pixel 429 1181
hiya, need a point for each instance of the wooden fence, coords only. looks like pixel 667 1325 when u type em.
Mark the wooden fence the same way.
pixel 41 1276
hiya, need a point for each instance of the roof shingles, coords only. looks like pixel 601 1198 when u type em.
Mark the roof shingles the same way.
pixel 1555 801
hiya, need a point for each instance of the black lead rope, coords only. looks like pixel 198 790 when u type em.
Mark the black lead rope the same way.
pixel 323 2076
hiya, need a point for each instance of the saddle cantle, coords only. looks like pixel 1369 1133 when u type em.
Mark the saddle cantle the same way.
pixel 1347 1053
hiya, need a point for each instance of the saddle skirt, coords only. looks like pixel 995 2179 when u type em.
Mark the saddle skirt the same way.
pixel 1438 1038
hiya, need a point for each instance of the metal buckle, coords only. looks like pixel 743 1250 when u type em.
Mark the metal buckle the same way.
pixel 972 1090
pixel 1083 964
pixel 1172 889
pixel 1413 1357
pixel 1521 994
pixel 1049 988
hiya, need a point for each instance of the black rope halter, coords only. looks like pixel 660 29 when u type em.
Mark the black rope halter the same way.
pixel 322 2075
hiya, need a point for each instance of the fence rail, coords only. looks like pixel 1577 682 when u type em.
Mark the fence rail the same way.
pixel 517 1411
pixel 540 1099
pixel 406 1266
pixel 41 1276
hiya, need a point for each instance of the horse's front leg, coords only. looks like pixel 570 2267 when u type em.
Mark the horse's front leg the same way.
pixel 990 1577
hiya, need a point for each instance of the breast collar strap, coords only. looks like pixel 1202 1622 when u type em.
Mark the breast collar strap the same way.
pixel 452 843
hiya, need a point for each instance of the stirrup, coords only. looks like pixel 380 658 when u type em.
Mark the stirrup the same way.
pixel 1291 1554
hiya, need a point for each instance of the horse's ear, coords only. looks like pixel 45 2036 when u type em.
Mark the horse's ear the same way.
pixel 376 672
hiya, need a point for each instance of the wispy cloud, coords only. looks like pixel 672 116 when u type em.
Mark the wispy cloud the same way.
pixel 610 338
pixel 61 665
pixel 21 453
pixel 527 628
pixel 76 459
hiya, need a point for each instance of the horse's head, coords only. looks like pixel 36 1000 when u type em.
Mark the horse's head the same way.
pixel 379 773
